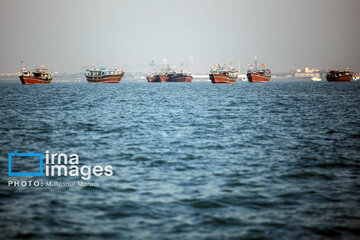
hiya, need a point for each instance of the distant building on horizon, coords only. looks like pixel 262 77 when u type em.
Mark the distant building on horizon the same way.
pixel 307 73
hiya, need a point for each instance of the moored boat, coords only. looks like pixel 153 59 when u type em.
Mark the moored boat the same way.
pixel 153 77
pixel 258 75
pixel 338 76
pixel 315 79
pixel 170 76
pixel 223 75
pixel 176 77
pixel 38 76
pixel 103 75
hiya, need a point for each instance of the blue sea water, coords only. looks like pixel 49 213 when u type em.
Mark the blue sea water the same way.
pixel 279 160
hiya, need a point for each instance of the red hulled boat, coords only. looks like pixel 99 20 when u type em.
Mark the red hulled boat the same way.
pixel 258 75
pixel 103 75
pixel 337 76
pixel 222 75
pixel 38 76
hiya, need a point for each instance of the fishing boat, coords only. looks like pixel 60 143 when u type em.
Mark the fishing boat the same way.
pixel 38 76
pixel 170 76
pixel 153 77
pixel 258 75
pixel 223 74
pixel 103 75
pixel 176 77
pixel 339 76
pixel 315 79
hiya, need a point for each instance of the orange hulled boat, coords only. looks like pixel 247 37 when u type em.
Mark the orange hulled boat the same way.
pixel 38 76
pixel 103 75
pixel 222 75
pixel 337 76
pixel 258 75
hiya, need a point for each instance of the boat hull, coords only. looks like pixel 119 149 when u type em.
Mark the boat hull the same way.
pixel 346 78
pixel 153 78
pixel 180 79
pixel 256 77
pixel 27 80
pixel 222 78
pixel 164 78
pixel 176 79
pixel 105 79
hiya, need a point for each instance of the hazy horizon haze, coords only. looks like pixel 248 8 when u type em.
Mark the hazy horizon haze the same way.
pixel 69 36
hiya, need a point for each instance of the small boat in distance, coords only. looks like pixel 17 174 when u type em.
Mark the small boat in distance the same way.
pixel 38 76
pixel 315 79
pixel 175 77
pixel 170 76
pixel 258 75
pixel 223 75
pixel 103 75
pixel 337 76
pixel 153 77
pixel 242 78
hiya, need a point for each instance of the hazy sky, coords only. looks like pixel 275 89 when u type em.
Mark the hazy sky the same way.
pixel 72 35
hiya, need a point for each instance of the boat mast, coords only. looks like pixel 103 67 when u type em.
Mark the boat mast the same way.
pixel 255 64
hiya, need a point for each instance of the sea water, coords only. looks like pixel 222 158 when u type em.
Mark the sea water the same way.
pixel 279 160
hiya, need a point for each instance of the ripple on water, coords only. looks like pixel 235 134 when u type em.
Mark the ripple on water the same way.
pixel 191 161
